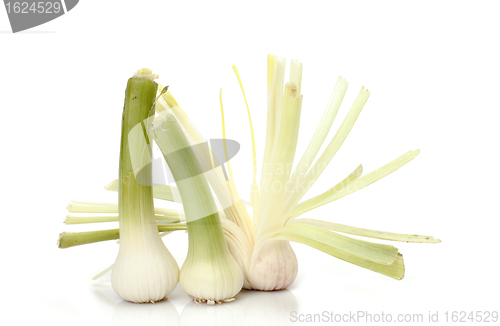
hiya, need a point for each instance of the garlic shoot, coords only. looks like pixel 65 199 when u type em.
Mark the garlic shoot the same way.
pixel 209 273
pixel 144 270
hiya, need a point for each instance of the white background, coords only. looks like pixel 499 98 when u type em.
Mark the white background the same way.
pixel 432 69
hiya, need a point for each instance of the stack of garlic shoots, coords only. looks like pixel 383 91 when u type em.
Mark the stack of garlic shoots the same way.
pixel 258 238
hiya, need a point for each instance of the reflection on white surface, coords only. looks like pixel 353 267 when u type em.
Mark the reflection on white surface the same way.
pixel 202 314
pixel 103 298
pixel 250 308
pixel 133 314
pixel 270 308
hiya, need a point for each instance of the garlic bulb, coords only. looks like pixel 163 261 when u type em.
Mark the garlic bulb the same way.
pixel 209 272
pixel 272 267
pixel 144 270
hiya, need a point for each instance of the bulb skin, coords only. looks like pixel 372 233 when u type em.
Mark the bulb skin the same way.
pixel 273 266
pixel 144 271
pixel 211 279
pixel 209 273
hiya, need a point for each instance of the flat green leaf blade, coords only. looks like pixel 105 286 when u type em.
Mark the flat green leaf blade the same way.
pixel 395 270
pixel 80 206
pixel 351 187
pixel 369 233
pixel 321 132
pixel 72 239
pixel 375 252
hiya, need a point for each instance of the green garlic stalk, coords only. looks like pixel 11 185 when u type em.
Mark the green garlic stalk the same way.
pixel 210 273
pixel 144 270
